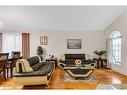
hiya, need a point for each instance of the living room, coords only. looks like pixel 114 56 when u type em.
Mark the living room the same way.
pixel 58 30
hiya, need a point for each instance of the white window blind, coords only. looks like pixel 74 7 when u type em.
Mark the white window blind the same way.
pixel 12 42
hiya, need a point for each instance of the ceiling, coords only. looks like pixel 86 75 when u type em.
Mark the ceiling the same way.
pixel 58 18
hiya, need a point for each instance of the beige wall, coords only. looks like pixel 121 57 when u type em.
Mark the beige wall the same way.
pixel 120 24
pixel 57 45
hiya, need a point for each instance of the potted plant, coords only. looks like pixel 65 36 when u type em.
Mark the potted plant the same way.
pixel 40 52
pixel 100 53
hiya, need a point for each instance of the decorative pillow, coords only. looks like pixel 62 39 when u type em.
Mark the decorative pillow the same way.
pixel 78 62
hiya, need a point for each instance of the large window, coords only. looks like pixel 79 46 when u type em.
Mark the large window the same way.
pixel 115 47
pixel 12 42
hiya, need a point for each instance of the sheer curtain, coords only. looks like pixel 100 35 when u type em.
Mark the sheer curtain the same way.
pixel 109 53
pixel 11 42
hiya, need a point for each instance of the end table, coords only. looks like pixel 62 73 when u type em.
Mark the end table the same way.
pixel 52 59
pixel 100 61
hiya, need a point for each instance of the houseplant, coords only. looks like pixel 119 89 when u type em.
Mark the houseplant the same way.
pixel 40 52
pixel 99 53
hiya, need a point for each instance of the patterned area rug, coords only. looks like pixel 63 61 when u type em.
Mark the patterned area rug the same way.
pixel 68 78
pixel 112 87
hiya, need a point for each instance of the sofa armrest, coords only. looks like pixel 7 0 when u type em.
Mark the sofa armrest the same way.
pixel 61 61
pixel 62 65
pixel 90 60
pixel 91 66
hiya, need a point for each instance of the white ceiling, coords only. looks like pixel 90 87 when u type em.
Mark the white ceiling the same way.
pixel 58 18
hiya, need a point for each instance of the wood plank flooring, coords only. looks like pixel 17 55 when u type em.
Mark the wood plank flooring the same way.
pixel 57 81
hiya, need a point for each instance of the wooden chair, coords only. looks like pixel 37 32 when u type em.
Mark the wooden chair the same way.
pixel 3 60
pixel 4 56
pixel 11 62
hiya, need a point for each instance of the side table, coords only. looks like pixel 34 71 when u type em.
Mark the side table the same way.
pixel 100 61
pixel 52 59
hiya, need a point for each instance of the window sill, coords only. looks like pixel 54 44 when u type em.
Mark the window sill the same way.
pixel 119 64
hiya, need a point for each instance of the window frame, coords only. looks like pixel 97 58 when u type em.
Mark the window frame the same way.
pixel 116 47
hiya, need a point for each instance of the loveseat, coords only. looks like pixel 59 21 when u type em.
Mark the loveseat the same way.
pixel 33 72
pixel 70 59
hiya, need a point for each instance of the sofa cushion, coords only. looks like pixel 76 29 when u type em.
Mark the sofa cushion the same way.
pixel 46 66
pixel 37 66
pixel 33 60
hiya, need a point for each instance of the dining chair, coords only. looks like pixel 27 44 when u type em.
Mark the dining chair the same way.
pixel 3 60
pixel 4 56
pixel 15 55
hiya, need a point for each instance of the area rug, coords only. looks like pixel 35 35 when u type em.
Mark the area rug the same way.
pixel 68 78
pixel 112 87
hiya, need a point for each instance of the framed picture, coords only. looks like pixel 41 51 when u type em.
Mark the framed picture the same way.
pixel 74 43
pixel 43 40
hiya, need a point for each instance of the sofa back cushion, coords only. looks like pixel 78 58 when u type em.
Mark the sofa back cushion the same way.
pixel 33 60
pixel 74 56
pixel 37 66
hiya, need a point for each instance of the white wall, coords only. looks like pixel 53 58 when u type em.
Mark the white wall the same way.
pixel 120 24
pixel 57 45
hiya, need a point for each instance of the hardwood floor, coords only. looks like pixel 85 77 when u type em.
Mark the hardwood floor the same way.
pixel 57 81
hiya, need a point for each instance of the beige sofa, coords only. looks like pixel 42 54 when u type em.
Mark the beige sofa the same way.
pixel 35 73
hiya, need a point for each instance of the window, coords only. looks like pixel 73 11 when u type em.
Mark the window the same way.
pixel 115 47
pixel 12 42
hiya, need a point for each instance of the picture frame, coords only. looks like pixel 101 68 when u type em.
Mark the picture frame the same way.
pixel 43 40
pixel 74 43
